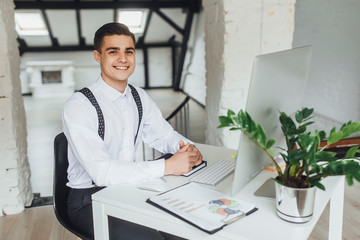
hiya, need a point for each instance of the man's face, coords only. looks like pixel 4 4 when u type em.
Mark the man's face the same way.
pixel 117 58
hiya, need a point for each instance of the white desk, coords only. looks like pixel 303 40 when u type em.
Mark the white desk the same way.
pixel 128 202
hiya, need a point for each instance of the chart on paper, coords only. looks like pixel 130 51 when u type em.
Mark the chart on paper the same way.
pixel 178 204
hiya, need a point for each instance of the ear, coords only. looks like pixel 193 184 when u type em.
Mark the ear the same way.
pixel 97 56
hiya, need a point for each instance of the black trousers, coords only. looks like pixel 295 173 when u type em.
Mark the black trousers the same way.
pixel 80 214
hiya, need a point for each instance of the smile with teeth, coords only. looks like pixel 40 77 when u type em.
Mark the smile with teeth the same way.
pixel 121 68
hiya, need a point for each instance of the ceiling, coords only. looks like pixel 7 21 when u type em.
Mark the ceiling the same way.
pixel 72 24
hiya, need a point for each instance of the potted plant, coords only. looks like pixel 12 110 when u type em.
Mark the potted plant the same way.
pixel 307 158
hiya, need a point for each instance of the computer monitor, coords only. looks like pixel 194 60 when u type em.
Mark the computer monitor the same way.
pixel 278 83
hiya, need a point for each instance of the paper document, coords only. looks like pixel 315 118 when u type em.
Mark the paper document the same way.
pixel 202 207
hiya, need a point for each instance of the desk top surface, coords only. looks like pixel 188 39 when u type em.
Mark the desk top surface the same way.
pixel 128 202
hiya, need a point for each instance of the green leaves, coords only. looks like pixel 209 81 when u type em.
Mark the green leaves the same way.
pixel 303 115
pixel 306 162
pixel 349 168
pixel 351 152
pixel 335 137
pixel 243 121
pixel 345 131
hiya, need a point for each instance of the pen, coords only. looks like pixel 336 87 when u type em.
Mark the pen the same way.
pixel 243 214
pixel 162 178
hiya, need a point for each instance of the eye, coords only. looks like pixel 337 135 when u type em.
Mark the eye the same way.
pixel 130 52
pixel 113 52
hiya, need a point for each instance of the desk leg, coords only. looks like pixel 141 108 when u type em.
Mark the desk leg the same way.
pixel 100 219
pixel 336 211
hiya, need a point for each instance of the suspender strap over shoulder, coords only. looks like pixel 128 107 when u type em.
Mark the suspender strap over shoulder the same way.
pixel 139 107
pixel 92 99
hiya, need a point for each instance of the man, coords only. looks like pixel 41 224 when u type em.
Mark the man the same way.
pixel 96 162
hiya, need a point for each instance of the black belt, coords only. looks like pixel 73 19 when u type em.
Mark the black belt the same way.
pixel 87 190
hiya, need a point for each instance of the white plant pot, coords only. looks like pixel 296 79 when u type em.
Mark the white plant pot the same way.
pixel 295 205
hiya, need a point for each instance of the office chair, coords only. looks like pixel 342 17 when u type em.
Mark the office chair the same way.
pixel 61 191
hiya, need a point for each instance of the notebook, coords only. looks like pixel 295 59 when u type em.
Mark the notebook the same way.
pixel 202 207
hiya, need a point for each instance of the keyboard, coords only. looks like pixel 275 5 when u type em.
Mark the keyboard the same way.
pixel 213 174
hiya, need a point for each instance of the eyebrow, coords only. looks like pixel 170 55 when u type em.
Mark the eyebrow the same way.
pixel 116 48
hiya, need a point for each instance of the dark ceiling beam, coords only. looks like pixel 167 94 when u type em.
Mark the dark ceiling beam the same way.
pixel 146 67
pixel 145 50
pixel 194 4
pixel 22 45
pixel 169 21
pixel 88 47
pixel 115 12
pixel 115 15
pixel 179 69
pixel 54 41
pixel 146 28
pixel 78 24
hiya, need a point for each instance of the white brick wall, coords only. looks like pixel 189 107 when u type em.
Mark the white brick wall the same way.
pixel 15 189
pixel 235 32
pixel 331 27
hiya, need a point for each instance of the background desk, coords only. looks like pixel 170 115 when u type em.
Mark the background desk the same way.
pixel 128 202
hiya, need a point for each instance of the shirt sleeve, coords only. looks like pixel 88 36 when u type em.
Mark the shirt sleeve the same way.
pixel 157 132
pixel 80 125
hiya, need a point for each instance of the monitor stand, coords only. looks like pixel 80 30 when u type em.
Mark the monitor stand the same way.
pixel 267 190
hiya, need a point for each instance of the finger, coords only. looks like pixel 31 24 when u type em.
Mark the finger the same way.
pixel 193 160
pixel 184 148
pixel 200 157
pixel 181 143
pixel 199 161
pixel 192 147
pixel 191 154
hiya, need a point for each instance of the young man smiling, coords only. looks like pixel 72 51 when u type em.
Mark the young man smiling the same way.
pixel 99 157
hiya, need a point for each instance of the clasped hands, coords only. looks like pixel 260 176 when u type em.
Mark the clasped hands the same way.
pixel 183 160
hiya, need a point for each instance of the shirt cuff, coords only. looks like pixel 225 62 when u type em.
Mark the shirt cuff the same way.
pixel 157 167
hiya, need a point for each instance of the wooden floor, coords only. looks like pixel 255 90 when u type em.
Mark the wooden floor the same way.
pixel 37 223
pixel 40 223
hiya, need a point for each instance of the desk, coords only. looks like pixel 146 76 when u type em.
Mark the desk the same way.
pixel 128 202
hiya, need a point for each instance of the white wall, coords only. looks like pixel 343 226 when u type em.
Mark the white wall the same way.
pixel 15 188
pixel 332 28
pixel 235 32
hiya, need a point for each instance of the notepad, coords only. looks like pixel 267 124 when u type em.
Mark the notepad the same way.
pixel 195 169
pixel 202 207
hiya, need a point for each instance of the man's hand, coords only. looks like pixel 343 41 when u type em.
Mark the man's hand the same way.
pixel 199 157
pixel 183 160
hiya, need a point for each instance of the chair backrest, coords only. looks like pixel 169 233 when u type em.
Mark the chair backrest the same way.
pixel 61 191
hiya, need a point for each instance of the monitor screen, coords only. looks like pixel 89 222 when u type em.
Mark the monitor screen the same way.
pixel 278 83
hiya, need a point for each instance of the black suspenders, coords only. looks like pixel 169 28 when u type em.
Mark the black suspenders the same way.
pixel 139 107
pixel 92 99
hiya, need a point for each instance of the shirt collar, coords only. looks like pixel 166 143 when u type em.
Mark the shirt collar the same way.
pixel 111 92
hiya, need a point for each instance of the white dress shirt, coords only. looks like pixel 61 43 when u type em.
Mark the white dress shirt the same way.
pixel 112 160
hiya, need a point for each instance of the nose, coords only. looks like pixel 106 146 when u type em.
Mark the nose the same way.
pixel 122 58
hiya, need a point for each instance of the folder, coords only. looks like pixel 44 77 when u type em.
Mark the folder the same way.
pixel 202 207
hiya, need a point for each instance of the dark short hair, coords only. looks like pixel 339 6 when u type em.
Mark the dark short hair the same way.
pixel 109 29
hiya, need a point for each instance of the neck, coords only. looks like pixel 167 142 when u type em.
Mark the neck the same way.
pixel 116 84
pixel 120 86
